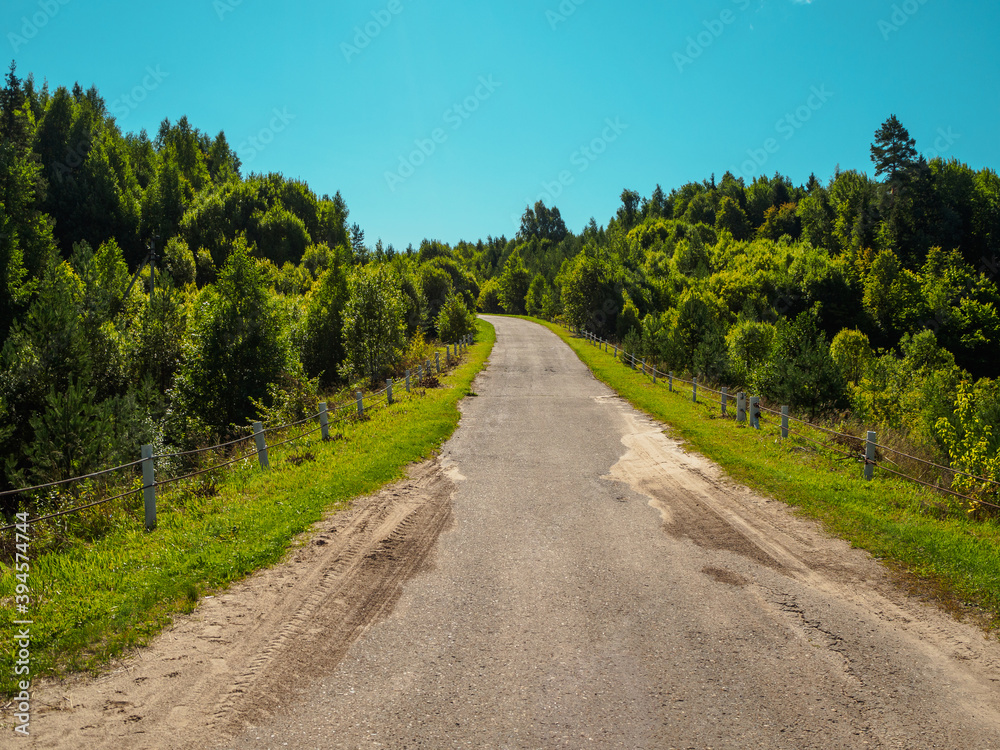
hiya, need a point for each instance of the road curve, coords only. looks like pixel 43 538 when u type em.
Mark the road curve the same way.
pixel 598 587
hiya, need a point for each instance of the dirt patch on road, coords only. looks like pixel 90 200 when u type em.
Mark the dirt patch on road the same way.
pixel 258 645
pixel 698 502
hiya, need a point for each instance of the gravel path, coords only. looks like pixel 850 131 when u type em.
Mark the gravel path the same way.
pixel 592 585
pixel 600 588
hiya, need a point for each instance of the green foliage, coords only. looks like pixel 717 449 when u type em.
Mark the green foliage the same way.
pixel 971 447
pixel 71 436
pixel 698 318
pixel 322 341
pixel 893 150
pixel 237 352
pixel 455 321
pixel 731 218
pixel 374 329
pixel 780 221
pixel 514 283
pixel 852 354
pixel 179 261
pixel 542 223
pixel 628 321
pixel 489 297
pixel 800 372
pixel 436 286
pixel 591 296
pixel 535 298
pixel 749 346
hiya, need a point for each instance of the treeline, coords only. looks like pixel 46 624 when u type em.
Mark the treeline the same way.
pixel 875 298
pixel 152 294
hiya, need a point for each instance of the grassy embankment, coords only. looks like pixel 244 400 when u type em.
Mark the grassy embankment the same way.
pixel 94 601
pixel 938 553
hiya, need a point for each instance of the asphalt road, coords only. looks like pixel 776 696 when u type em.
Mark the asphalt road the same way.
pixel 598 587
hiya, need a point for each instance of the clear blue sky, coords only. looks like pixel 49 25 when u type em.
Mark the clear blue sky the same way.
pixel 516 100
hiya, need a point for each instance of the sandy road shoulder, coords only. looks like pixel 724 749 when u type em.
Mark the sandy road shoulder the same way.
pixel 256 646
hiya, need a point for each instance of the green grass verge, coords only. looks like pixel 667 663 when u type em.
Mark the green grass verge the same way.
pixel 95 601
pixel 943 556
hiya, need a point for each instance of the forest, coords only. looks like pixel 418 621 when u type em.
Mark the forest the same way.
pixel 152 293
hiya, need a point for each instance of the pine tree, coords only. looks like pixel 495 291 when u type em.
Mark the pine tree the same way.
pixel 893 150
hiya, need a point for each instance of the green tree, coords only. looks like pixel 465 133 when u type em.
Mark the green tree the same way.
pixel 591 295
pixel 436 285
pixel 238 349
pixel 72 435
pixel 893 150
pixel 732 218
pixel 374 328
pixel 179 261
pixel 749 345
pixel 489 297
pixel 322 340
pixel 852 354
pixel 801 372
pixel 514 283
pixel 535 299
pixel 455 321
pixel 780 221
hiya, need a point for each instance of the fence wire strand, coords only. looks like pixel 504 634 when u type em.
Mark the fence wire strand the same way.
pixel 72 510
pixel 7 493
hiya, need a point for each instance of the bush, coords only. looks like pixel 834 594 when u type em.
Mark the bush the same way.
pixel 455 320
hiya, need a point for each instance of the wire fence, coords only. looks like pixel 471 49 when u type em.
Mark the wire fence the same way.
pixel 360 407
pixel 866 448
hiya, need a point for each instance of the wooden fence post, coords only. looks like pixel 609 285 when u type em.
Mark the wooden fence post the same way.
pixel 870 455
pixel 149 486
pixel 361 404
pixel 725 400
pixel 694 388
pixel 437 361
pixel 755 412
pixel 407 381
pixel 784 421
pixel 324 420
pixel 741 407
pixel 260 439
pixel 388 391
pixel 670 381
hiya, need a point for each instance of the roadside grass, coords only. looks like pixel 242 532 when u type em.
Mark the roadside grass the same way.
pixel 94 602
pixel 934 551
